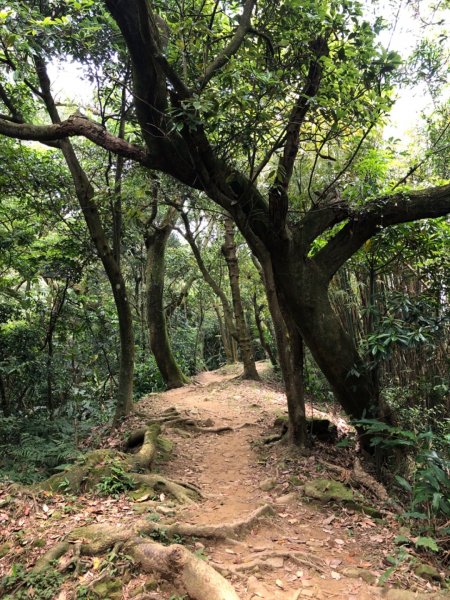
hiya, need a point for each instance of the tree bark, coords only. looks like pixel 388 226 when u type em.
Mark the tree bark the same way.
pixel 290 352
pixel 301 280
pixel 262 338
pixel 245 342
pixel 85 194
pixel 155 241
pixel 304 290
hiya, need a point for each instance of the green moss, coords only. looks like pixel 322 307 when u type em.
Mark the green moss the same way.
pixel 165 445
pixel 108 588
pixel 140 494
pixel 427 572
pixel 327 490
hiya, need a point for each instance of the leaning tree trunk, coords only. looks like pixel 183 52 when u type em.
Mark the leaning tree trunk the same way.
pixel 85 194
pixel 245 342
pixel 156 241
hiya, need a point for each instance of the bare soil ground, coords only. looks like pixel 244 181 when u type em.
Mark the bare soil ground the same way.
pixel 302 550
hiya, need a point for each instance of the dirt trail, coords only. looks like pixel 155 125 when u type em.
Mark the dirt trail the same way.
pixel 232 475
pixel 301 550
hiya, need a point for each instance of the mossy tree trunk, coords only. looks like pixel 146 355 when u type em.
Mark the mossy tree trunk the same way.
pixel 156 238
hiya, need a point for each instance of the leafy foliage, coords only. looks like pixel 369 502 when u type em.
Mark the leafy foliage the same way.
pixel 117 482
pixel 428 485
pixel 22 584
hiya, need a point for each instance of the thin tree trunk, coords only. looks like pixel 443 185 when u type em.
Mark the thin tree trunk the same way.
pixel 156 240
pixel 290 352
pixel 225 337
pixel 231 337
pixel 245 342
pixel 262 338
pixel 85 194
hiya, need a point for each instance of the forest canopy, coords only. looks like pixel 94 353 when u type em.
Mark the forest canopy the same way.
pixel 224 182
pixel 226 193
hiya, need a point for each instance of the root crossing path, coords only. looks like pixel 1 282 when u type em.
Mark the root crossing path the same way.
pixel 294 549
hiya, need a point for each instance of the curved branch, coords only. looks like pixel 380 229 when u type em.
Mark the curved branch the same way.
pixel 382 212
pixel 278 199
pixel 76 125
pixel 235 43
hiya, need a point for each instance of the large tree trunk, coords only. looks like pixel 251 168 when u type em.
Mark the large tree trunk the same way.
pixel 245 342
pixel 304 293
pixel 156 241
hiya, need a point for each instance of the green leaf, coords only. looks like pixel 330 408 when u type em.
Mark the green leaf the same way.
pixel 427 542
pixel 403 483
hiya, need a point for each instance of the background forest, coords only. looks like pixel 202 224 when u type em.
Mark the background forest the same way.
pixel 120 276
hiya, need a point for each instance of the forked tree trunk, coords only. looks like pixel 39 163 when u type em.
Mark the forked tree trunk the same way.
pixel 156 241
pixel 245 342
pixel 304 291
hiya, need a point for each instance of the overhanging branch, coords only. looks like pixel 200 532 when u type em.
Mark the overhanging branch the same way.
pixel 378 214
pixel 76 125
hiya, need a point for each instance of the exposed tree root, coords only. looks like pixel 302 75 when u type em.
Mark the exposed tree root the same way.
pixel 221 531
pixel 360 477
pixel 99 465
pixel 172 418
pixel 184 493
pixel 176 563
pixel 53 554
pixel 260 562
pixel 185 570
pixel 144 458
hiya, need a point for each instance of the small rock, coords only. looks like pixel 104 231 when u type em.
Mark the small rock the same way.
pixel 356 573
pixel 267 485
pixel 287 498
pixel 165 510
pixel 256 588
pixel 261 547
pixel 276 562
